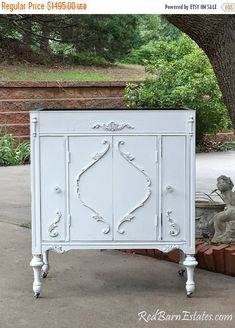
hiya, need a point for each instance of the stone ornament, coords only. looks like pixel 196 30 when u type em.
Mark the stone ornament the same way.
pixel 206 209
pixel 224 222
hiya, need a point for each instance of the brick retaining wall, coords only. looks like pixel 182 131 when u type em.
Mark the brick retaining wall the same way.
pixel 216 258
pixel 17 98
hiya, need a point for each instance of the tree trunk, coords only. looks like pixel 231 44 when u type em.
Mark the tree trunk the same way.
pixel 44 40
pixel 27 33
pixel 215 34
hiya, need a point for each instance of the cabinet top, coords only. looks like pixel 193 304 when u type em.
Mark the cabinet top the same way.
pixel 108 109
pixel 100 121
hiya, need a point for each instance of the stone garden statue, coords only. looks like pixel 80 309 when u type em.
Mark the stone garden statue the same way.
pixel 224 222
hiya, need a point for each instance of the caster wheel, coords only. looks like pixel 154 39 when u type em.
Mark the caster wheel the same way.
pixel 181 272
pixel 189 294
pixel 36 295
pixel 44 274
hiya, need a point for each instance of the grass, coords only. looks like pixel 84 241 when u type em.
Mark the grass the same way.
pixel 24 72
pixel 53 76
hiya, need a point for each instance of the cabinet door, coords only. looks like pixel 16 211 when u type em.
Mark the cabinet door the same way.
pixel 53 187
pixel 135 185
pixel 90 188
pixel 174 198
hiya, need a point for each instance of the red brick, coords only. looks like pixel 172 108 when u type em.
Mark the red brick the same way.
pixel 199 242
pixel 218 253
pixel 158 254
pixel 141 251
pixel 12 105
pixel 209 259
pixel 20 139
pixel 16 129
pixel 23 96
pixel 199 246
pixel 161 255
pixel 62 84
pixel 232 263
pixel 228 259
pixel 130 251
pixel 150 252
pixel 200 255
pixel 14 117
pixel 174 256
pixel 61 92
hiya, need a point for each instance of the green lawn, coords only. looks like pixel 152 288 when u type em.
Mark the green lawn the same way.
pixel 71 73
pixel 53 76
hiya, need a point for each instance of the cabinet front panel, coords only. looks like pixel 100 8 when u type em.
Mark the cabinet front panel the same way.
pixel 53 187
pixel 135 185
pixel 173 187
pixel 90 176
pixel 118 122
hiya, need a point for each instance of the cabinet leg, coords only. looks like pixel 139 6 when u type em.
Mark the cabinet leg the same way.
pixel 45 267
pixel 190 263
pixel 181 270
pixel 36 263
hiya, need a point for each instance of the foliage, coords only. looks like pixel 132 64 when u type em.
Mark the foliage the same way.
pixel 141 55
pixel 222 141
pixel 153 28
pixel 107 36
pixel 88 59
pixel 12 153
pixel 69 38
pixel 67 54
pixel 181 76
pixel 227 146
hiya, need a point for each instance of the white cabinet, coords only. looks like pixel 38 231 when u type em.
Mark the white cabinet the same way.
pixel 112 179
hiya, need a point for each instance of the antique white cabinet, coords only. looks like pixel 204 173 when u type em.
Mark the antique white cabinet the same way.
pixel 112 179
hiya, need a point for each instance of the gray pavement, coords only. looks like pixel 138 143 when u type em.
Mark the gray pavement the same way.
pixel 101 289
pixel 210 166
pixel 94 289
pixel 15 194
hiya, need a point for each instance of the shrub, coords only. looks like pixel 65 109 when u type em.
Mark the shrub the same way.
pixel 87 59
pixel 68 54
pixel 141 54
pixel 181 76
pixel 13 153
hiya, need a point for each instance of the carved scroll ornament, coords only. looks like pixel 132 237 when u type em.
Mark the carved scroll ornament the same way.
pixel 54 225
pixel 175 227
pixel 97 216
pixel 112 126
pixel 130 216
